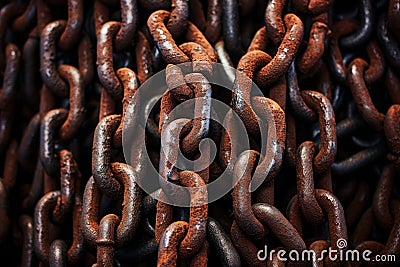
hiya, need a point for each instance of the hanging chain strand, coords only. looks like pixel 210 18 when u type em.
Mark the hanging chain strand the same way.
pixel 304 157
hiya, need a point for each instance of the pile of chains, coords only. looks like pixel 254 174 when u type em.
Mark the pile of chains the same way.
pixel 329 72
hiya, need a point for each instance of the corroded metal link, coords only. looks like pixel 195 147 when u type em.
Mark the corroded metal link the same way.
pixel 78 248
pixel 48 68
pixel 271 159
pixel 273 20
pixel 241 101
pixel 315 47
pixel 105 62
pixel 202 112
pixel 341 28
pixel 193 34
pixel 69 176
pixel 166 44
pixel 163 38
pixel 90 215
pixel 361 95
pixel 169 155
pixel 178 20
pixel 101 159
pixel 296 101
pixel 377 63
pixel 196 232
pixel 176 83
pixel 168 249
pixel 144 58
pixel 214 24
pixel 327 152
pixel 86 58
pixel 220 241
pixel 280 63
pixel 72 30
pixel 305 184
pixel 130 84
pixel 336 218
pixel 76 113
pixel 228 151
pixel 41 236
pixel 131 206
pixel 291 142
pixel 107 105
pixel 210 23
pixel 163 216
pixel 241 196
pixel 363 34
pixel 129 21
pixel 280 226
pixel 194 239
pixel 199 57
pixel 49 129
pixel 106 240
pixel 230 28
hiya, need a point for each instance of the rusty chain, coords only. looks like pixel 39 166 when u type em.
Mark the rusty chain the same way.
pixel 71 73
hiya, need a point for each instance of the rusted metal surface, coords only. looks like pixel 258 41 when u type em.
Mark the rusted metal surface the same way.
pixel 329 79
